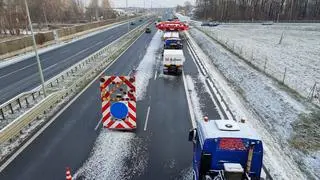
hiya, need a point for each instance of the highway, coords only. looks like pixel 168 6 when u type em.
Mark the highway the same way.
pixel 23 76
pixel 69 140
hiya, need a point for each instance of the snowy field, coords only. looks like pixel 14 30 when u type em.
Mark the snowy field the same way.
pixel 298 54
pixel 269 109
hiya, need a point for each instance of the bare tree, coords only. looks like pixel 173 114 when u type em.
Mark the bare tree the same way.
pixel 225 10
pixel 107 10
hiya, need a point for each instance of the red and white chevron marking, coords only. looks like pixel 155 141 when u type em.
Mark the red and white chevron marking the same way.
pixel 129 99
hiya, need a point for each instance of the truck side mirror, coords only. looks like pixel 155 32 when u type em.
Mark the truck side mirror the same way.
pixel 192 135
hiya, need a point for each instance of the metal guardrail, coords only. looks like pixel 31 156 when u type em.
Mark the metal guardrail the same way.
pixel 15 127
pixel 114 49
pixel 23 100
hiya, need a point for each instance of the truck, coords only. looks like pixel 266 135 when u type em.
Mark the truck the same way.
pixel 173 43
pixel 170 34
pixel 225 150
pixel 173 60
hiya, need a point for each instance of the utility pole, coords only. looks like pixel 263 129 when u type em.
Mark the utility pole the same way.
pixel 45 15
pixel 35 50
pixel 96 9
pixel 150 6
pixel 128 15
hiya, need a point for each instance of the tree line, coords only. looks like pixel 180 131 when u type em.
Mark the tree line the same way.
pixel 224 10
pixel 13 13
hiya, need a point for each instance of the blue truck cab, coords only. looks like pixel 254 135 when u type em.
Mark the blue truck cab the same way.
pixel 173 43
pixel 225 150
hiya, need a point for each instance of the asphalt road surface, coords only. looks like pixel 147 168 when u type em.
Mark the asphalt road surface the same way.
pixel 24 76
pixel 69 140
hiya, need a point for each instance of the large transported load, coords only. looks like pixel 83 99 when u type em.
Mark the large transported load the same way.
pixel 172 26
pixel 173 60
pixel 226 150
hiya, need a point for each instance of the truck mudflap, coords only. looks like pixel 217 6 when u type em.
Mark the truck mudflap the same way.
pixel 172 70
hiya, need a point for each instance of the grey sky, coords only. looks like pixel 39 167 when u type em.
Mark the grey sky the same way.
pixel 140 3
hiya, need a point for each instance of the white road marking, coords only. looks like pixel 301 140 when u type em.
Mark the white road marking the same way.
pixel 155 75
pixel 99 43
pixel 97 126
pixel 8 74
pixel 147 118
pixel 42 60
pixel 5 164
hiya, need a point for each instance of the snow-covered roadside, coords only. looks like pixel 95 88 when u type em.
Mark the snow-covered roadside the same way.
pixel 296 58
pixel 24 56
pixel 106 161
pixel 269 109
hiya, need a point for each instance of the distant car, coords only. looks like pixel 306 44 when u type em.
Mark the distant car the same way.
pixel 267 23
pixel 140 20
pixel 205 24
pixel 213 24
pixel 133 23
pixel 148 30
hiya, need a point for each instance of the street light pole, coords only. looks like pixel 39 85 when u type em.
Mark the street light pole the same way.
pixel 128 15
pixel 35 50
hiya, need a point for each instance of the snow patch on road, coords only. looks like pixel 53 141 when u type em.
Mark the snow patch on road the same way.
pixel 110 153
pixel 195 101
pixel 146 66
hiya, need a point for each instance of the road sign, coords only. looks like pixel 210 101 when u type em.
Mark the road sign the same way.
pixel 118 96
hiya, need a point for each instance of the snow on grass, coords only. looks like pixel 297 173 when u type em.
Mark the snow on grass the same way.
pixel 146 66
pixel 269 109
pixel 122 155
pixel 298 53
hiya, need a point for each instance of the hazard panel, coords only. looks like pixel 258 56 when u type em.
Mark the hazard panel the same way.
pixel 118 96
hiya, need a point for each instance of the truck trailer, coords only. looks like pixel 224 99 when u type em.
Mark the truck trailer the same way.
pixel 173 60
pixel 225 150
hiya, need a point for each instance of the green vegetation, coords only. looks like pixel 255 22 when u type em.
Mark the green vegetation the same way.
pixel 306 132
